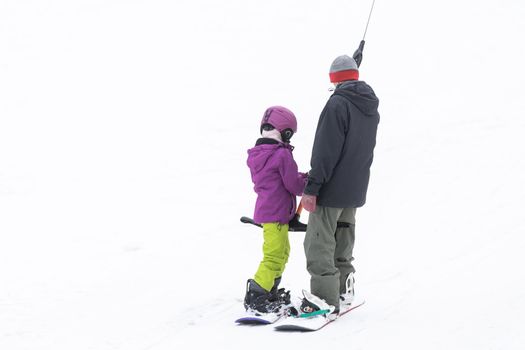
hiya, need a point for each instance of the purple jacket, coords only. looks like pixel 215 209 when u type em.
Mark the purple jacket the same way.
pixel 276 181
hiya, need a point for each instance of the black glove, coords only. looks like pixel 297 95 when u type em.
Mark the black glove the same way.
pixel 358 54
pixel 296 225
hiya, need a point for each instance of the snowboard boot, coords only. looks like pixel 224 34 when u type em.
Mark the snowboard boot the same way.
pixel 258 300
pixel 280 295
pixel 276 283
pixel 347 297
pixel 313 306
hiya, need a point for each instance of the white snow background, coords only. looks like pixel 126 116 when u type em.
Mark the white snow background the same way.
pixel 124 127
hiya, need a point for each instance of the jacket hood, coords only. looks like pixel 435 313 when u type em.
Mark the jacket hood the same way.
pixel 259 155
pixel 360 94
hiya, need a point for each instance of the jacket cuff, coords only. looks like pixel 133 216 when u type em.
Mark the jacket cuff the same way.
pixel 312 188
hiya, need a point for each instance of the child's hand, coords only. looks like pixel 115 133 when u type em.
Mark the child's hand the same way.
pixel 309 202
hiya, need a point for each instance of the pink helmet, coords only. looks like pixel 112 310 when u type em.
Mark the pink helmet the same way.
pixel 282 119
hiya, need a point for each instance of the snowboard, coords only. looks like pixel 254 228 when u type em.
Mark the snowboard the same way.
pixel 254 319
pixel 314 323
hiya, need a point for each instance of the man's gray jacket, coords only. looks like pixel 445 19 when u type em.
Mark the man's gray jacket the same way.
pixel 343 148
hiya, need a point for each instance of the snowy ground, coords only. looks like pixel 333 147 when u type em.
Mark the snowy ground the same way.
pixel 123 134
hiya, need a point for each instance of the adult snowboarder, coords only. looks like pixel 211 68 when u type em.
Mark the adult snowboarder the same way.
pixel 337 184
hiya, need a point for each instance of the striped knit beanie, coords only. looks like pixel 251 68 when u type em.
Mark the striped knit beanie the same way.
pixel 343 68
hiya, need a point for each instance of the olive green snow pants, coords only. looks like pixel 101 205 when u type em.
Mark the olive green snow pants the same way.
pixel 328 251
pixel 276 249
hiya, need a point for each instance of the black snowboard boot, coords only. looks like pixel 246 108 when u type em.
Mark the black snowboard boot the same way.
pixel 280 295
pixel 259 300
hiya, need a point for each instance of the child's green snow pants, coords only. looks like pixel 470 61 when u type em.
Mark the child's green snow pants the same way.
pixel 276 249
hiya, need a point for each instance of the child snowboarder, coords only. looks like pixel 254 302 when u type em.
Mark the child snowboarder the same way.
pixel 277 182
